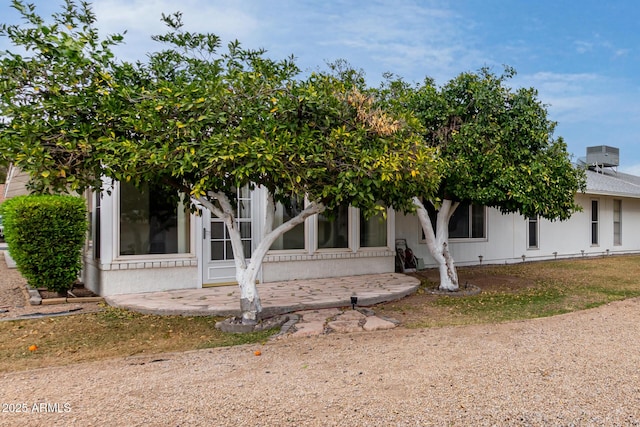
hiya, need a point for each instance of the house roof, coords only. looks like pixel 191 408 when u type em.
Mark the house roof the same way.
pixel 609 182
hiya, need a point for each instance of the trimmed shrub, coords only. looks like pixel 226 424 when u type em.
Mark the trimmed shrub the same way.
pixel 45 235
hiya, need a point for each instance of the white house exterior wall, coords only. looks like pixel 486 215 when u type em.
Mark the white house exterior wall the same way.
pixel 506 235
pixel 279 268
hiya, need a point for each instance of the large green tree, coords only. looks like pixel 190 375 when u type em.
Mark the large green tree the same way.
pixel 498 150
pixel 205 124
pixel 51 89
pixel 210 124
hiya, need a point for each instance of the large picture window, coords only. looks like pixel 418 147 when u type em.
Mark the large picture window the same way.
pixel 373 231
pixel 152 221
pixel 467 222
pixel 334 232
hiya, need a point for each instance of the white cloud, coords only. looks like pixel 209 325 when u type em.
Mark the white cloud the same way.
pixel 598 43
pixel 573 97
pixel 142 19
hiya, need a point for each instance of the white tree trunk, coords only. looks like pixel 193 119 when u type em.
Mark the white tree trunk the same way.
pixel 247 273
pixel 438 241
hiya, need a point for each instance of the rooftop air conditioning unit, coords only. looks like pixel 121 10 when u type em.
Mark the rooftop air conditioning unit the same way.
pixel 603 155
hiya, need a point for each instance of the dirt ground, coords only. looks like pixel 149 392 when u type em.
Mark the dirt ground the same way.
pixel 14 300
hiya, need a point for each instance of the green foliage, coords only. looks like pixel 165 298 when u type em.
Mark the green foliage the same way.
pixel 51 96
pixel 198 119
pixel 45 235
pixel 497 144
pixel 205 121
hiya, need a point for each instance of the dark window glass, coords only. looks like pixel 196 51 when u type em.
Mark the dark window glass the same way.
pixel 533 232
pixel 373 231
pixel 294 238
pixel 152 221
pixel 468 221
pixel 334 233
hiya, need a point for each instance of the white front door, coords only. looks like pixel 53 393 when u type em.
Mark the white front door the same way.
pixel 218 266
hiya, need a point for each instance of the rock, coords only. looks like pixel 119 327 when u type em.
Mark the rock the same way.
pixel 374 323
pixel 235 325
pixel 345 326
pixel 308 329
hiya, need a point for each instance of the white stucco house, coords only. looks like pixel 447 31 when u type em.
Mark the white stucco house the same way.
pixel 141 243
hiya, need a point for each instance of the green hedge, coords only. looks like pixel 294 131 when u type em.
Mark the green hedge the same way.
pixel 45 235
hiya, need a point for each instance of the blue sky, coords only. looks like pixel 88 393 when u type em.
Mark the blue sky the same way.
pixel 582 56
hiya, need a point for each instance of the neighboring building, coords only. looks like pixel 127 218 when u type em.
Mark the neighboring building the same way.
pixel 16 183
pixel 141 243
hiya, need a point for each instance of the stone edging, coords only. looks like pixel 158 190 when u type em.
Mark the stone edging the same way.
pixel 234 324
pixel 463 291
pixel 35 299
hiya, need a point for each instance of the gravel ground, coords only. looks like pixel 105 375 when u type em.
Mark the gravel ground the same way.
pixel 580 369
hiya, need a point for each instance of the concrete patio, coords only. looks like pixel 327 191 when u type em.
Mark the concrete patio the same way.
pixel 277 297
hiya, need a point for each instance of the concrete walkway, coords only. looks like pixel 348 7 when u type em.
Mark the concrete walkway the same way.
pixel 277 297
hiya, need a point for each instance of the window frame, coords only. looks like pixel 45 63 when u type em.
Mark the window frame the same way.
pixel 358 231
pixel 595 222
pixel 353 235
pixel 533 219
pixel 485 224
pixel 116 256
pixel 350 227
pixel 243 195
pixel 306 225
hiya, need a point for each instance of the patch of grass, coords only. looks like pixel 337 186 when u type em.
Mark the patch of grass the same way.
pixel 501 306
pixel 522 291
pixel 111 333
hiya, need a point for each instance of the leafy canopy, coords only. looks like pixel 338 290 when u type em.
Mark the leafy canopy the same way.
pixel 51 96
pixel 497 144
pixel 200 121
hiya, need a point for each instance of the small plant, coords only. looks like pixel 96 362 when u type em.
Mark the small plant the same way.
pixel 45 235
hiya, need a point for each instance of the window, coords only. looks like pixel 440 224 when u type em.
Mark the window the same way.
pixel 373 231
pixel 152 221
pixel 97 231
pixel 294 238
pixel 617 222
pixel 221 248
pixel 467 222
pixel 532 232
pixel 594 222
pixel 334 232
